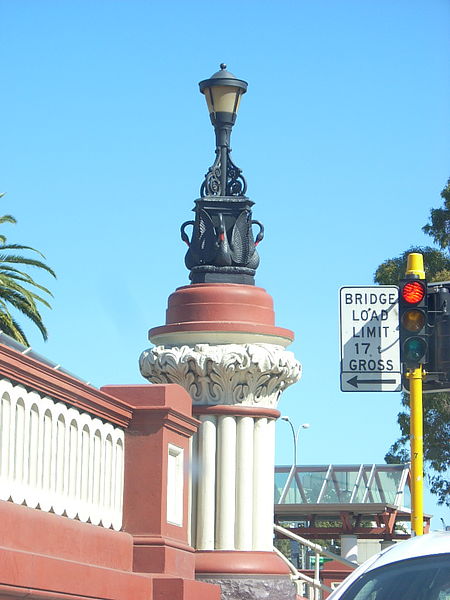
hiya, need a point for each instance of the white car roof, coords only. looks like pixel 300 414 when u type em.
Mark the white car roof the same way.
pixel 437 542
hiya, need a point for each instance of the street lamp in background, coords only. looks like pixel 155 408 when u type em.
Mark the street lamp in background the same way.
pixel 295 434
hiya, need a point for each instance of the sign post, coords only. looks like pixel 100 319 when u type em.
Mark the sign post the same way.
pixel 370 352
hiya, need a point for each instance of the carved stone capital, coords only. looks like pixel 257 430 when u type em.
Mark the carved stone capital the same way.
pixel 243 374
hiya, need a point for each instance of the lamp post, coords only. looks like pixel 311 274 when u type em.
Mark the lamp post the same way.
pixel 221 343
pixel 222 248
pixel 295 435
pixel 223 93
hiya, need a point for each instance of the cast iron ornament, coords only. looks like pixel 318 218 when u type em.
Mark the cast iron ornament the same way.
pixel 222 248
pixel 236 184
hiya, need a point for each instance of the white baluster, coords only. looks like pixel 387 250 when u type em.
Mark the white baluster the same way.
pixel 56 458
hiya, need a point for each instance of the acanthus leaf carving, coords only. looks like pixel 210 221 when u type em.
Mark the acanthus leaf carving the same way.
pixel 243 374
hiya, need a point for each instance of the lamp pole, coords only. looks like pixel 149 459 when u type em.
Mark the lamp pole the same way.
pixel 295 434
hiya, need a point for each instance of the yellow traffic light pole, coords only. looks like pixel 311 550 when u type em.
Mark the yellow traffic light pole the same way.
pixel 416 438
pixel 415 376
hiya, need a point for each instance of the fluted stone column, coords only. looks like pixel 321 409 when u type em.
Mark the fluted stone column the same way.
pixel 235 390
pixel 220 343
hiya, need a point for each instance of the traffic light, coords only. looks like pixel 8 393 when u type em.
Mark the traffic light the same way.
pixel 413 321
pixel 438 367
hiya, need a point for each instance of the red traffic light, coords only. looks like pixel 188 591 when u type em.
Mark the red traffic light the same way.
pixel 413 292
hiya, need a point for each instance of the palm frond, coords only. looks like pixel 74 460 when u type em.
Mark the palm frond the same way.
pixel 12 258
pixel 7 218
pixel 21 290
pixel 20 247
pixel 14 286
pixel 27 308
pixel 19 276
pixel 10 326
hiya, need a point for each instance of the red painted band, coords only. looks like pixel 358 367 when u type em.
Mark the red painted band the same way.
pixel 158 540
pixel 223 326
pixel 238 411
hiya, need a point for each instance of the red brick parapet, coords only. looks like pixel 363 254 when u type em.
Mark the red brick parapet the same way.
pixel 51 557
pixel 48 557
pixel 161 417
pixel 36 375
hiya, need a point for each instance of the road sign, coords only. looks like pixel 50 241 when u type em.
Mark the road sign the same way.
pixel 370 350
pixel 322 560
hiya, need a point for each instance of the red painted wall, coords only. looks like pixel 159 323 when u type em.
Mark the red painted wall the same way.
pixel 45 556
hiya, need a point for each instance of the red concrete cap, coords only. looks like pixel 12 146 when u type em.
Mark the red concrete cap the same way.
pixel 239 562
pixel 220 302
pixel 168 395
pixel 222 307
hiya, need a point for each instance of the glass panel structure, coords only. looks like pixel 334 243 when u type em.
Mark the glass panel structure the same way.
pixel 343 484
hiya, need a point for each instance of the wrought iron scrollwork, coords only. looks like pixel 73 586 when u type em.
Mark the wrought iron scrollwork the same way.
pixel 211 184
pixel 236 184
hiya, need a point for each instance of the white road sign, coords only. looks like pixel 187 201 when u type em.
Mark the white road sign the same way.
pixel 370 349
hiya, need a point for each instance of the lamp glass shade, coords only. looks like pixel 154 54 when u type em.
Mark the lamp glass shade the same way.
pixel 223 98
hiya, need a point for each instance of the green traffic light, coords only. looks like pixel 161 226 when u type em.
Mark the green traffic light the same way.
pixel 414 349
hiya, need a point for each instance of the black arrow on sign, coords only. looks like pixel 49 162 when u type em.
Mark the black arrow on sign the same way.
pixel 354 381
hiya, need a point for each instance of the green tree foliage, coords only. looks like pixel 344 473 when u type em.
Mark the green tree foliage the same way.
pixel 439 228
pixel 18 288
pixel 436 406
pixel 436 263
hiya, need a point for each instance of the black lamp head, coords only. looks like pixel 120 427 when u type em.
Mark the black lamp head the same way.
pixel 223 92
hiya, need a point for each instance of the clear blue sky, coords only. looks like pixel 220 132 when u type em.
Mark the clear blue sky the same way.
pixel 342 136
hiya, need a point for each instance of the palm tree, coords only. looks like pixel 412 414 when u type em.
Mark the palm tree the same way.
pixel 15 284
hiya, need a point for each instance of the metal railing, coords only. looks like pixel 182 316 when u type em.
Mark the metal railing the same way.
pixel 302 581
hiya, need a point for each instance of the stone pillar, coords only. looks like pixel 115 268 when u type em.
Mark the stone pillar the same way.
pixel 386 544
pixel 220 343
pixel 349 547
pixel 155 509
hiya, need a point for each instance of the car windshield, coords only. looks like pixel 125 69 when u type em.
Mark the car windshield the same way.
pixel 424 578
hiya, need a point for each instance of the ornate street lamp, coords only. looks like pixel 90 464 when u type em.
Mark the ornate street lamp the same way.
pixel 223 92
pixel 222 248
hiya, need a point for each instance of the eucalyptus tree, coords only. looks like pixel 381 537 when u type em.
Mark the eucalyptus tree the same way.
pixel 439 225
pixel 436 405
